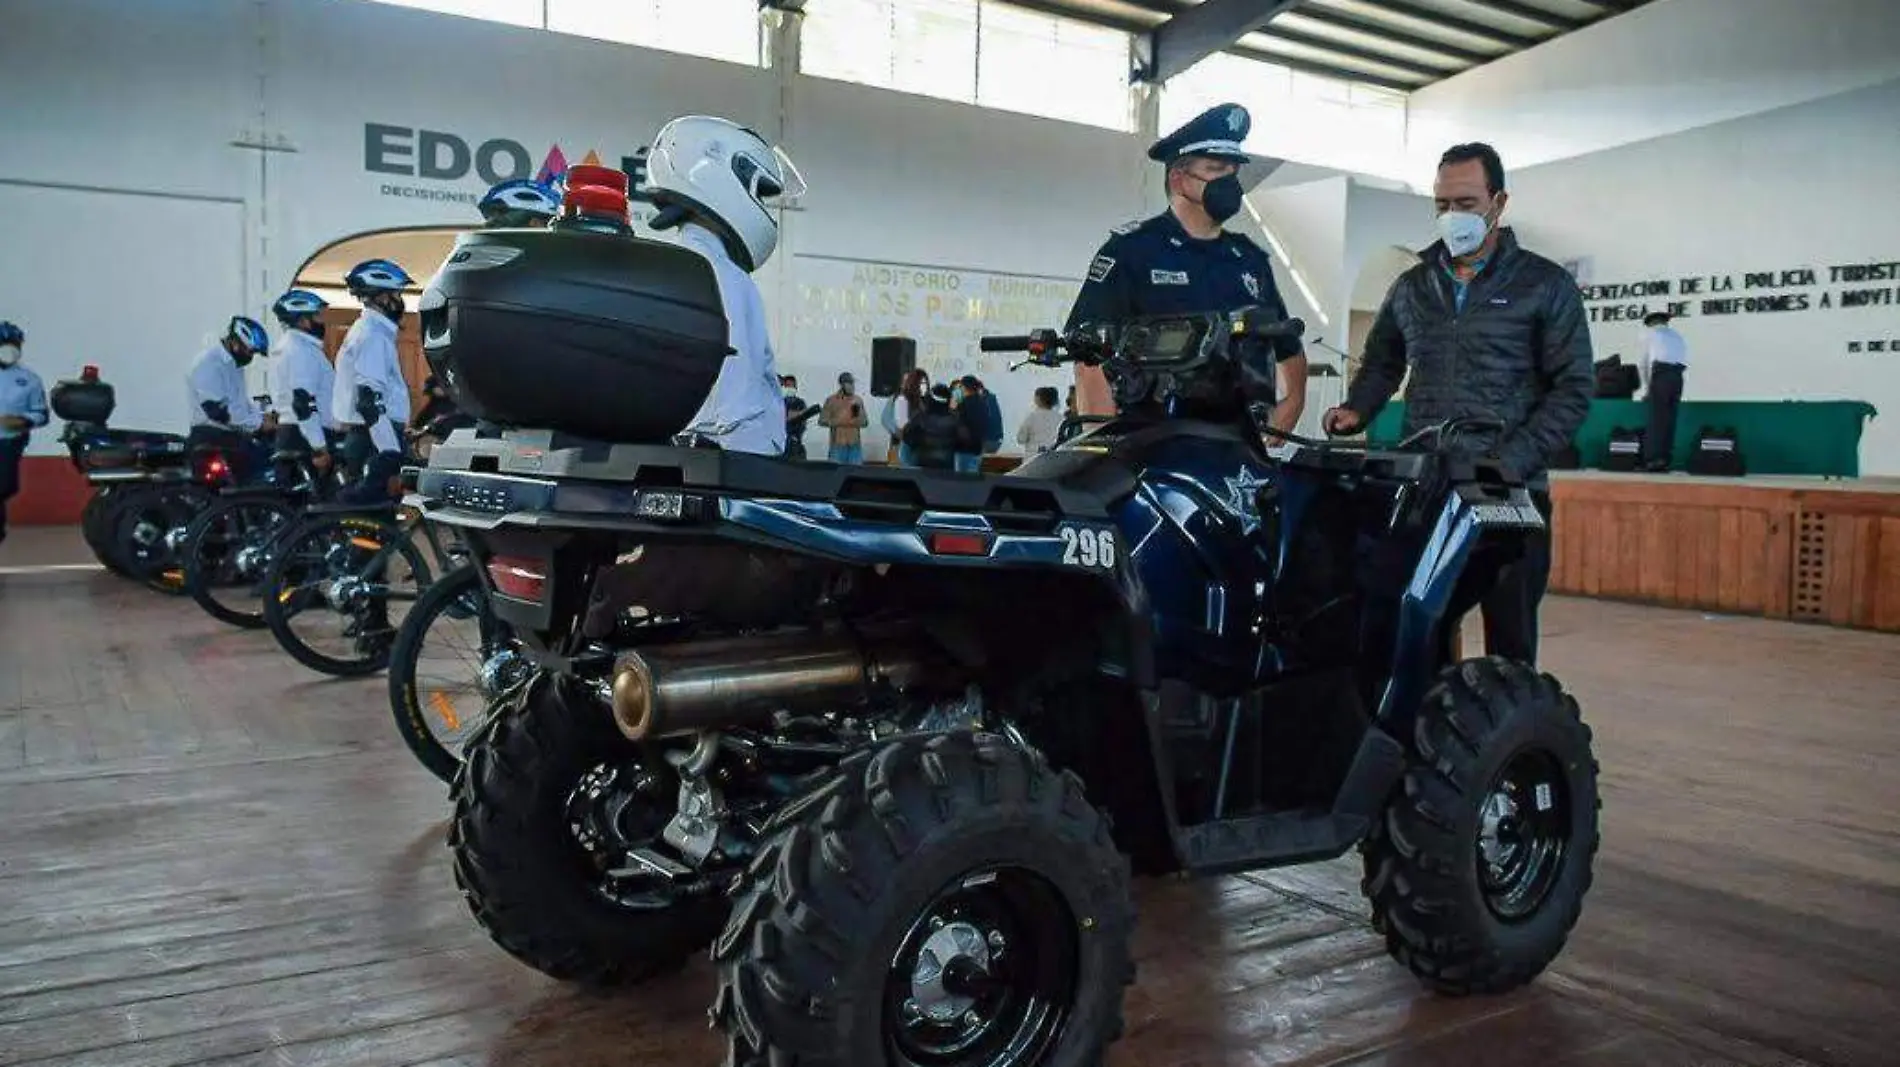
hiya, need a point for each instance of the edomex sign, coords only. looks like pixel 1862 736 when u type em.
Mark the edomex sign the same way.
pixel 441 157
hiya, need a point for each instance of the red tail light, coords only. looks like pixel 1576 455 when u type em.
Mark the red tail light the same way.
pixel 958 544
pixel 89 373
pixel 520 579
pixel 213 469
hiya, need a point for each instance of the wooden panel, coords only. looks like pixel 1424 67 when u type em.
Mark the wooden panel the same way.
pixel 1814 554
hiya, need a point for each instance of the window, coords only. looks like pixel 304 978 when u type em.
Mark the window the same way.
pixel 1326 122
pixel 514 12
pixel 716 29
pixel 914 46
pixel 976 52
pixel 1054 67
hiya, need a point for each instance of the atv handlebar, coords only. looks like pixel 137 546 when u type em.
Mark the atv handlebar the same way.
pixel 1093 344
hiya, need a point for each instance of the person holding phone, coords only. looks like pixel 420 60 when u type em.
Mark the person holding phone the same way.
pixel 844 416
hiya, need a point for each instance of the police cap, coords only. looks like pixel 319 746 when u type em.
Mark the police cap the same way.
pixel 1218 132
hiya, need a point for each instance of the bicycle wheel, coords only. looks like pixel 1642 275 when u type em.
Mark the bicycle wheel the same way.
pixel 227 553
pixel 452 660
pixel 148 526
pixel 333 583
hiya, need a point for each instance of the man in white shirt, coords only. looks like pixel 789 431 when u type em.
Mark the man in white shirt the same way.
pixel 712 178
pixel 371 399
pixel 305 381
pixel 222 412
pixel 1665 356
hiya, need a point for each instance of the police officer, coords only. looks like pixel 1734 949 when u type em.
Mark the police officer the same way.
pixel 22 410
pixel 720 184
pixel 222 412
pixel 1182 262
pixel 371 397
pixel 305 379
pixel 518 203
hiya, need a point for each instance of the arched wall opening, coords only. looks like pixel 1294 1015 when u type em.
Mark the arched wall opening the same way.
pixel 418 250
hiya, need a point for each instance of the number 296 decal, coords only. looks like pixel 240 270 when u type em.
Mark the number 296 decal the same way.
pixel 1088 547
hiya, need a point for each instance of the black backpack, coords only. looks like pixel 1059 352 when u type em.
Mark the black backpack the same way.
pixel 1718 453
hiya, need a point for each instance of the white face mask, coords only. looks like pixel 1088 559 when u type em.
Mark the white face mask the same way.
pixel 9 355
pixel 1462 232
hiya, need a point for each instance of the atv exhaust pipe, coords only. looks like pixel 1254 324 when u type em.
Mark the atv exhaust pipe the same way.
pixel 721 684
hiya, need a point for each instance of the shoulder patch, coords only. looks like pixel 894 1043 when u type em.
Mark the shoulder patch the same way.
pixel 1128 227
pixel 1099 268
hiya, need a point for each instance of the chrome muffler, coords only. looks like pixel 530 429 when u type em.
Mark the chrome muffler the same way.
pixel 726 683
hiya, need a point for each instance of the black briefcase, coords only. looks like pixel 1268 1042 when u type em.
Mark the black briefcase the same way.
pixel 1718 453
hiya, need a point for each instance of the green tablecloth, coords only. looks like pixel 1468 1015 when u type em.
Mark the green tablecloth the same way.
pixel 1777 436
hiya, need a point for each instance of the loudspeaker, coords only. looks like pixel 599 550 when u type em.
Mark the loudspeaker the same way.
pixel 891 359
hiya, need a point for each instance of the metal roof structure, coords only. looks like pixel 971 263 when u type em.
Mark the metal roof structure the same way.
pixel 1401 45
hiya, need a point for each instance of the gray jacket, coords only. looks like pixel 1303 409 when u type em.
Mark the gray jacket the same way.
pixel 1519 352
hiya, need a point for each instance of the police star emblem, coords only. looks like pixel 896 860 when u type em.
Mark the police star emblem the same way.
pixel 1252 282
pixel 1243 499
pixel 1235 119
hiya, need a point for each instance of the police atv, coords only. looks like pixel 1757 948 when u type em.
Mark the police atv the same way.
pixel 887 740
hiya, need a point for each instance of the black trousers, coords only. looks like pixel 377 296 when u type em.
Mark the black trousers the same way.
pixel 11 449
pixel 1510 609
pixel 1664 397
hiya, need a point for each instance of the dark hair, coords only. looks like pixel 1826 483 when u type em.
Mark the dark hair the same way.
pixel 1483 153
pixel 1046 396
pixel 940 391
pixel 913 384
pixel 970 381
pixel 1656 318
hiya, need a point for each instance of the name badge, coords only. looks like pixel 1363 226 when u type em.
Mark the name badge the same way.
pixel 1168 277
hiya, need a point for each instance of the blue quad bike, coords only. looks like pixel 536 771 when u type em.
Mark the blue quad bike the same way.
pixel 890 743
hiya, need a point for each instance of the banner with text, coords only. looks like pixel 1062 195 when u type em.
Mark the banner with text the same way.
pixel 839 305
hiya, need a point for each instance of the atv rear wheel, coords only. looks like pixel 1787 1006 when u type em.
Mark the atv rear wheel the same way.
pixel 1479 867
pixel 948 900
pixel 537 770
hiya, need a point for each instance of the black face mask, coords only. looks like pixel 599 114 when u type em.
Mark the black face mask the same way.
pixel 390 305
pixel 242 359
pixel 314 329
pixel 1220 198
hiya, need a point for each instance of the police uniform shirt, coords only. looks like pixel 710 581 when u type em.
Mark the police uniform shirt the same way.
pixel 217 379
pixel 1155 267
pixel 745 412
pixel 24 395
pixel 368 357
pixel 301 365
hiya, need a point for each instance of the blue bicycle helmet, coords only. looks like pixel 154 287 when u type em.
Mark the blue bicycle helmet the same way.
pixel 249 333
pixel 519 202
pixel 11 334
pixel 376 276
pixel 296 304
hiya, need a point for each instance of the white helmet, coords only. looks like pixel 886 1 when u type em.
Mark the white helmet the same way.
pixel 721 173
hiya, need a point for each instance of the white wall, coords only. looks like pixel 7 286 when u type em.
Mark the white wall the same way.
pixel 1811 186
pixel 1666 67
pixel 163 90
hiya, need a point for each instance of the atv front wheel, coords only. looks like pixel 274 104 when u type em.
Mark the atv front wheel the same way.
pixel 550 804
pixel 948 900
pixel 1478 870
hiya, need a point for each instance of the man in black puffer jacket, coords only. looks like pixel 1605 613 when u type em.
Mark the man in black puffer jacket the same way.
pixel 1488 330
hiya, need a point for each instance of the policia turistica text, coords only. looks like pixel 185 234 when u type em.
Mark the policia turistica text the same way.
pixel 1182 262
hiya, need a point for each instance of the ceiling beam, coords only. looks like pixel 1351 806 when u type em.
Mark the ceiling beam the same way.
pixel 1351 51
pixel 1388 34
pixel 1530 14
pixel 1200 31
pixel 1432 17
pixel 1328 70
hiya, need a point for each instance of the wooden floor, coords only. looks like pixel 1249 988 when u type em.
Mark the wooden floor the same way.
pixel 209 855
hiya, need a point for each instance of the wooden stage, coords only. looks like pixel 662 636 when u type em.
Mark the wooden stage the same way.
pixel 1807 549
pixel 211 856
